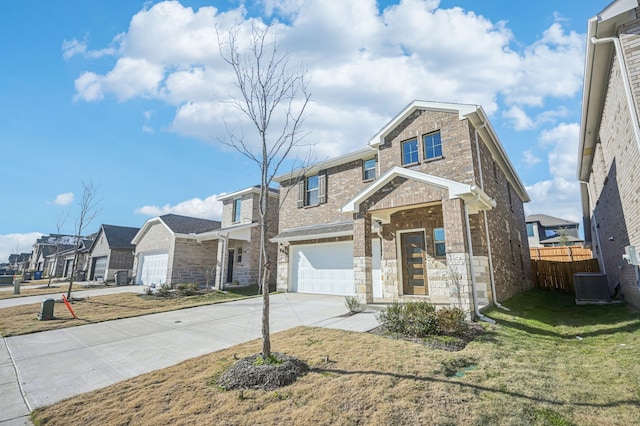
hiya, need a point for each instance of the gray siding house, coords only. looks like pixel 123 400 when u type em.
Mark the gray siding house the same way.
pixel 111 251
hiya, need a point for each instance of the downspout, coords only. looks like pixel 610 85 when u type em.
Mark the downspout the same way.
pixel 486 227
pixel 625 81
pixel 472 270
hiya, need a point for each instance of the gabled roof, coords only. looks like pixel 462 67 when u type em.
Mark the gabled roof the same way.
pixel 119 237
pixel 478 119
pixel 475 198
pixel 361 154
pixel 549 221
pixel 189 225
pixel 596 76
pixel 183 226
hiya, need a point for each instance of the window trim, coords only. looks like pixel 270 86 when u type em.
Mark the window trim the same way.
pixel 417 151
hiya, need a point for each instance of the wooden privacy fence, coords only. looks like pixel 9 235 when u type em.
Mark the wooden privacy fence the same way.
pixel 558 276
pixel 560 254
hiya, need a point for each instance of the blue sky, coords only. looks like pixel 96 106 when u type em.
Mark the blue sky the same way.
pixel 130 95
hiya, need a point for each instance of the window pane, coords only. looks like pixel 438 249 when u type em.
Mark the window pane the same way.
pixel 438 234
pixel 369 169
pixel 529 229
pixel 236 210
pixel 433 145
pixel 440 249
pixel 312 191
pixel 410 152
pixel 438 237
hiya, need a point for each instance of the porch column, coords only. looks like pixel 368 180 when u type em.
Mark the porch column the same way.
pixel 362 265
pixel 458 261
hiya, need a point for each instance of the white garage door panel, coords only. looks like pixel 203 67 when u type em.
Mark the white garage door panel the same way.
pixel 323 268
pixel 153 269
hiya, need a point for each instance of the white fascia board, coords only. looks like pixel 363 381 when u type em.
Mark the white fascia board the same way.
pixel 245 191
pixel 236 232
pixel 454 188
pixel 617 8
pixel 146 226
pixel 461 109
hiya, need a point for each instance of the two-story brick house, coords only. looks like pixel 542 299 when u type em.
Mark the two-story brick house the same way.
pixel 239 257
pixel 432 208
pixel 609 150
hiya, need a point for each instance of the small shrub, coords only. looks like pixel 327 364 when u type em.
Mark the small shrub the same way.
pixel 164 290
pixel 187 289
pixel 353 304
pixel 451 320
pixel 416 319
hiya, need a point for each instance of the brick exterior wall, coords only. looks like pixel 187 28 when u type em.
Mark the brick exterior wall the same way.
pixel 417 205
pixel 613 182
pixel 191 260
pixel 247 271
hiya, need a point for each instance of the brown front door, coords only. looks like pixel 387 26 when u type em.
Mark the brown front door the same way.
pixel 414 274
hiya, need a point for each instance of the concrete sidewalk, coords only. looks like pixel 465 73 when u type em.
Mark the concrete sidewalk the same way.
pixel 99 355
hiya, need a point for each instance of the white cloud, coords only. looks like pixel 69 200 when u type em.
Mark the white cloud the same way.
pixel 209 208
pixel 64 199
pixel 358 59
pixel 560 195
pixel 530 158
pixel 73 47
pixel 17 243
pixel 518 118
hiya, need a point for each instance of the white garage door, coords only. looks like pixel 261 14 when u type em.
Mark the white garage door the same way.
pixel 99 268
pixel 328 268
pixel 153 269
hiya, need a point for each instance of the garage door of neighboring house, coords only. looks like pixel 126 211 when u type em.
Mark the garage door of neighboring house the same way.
pixel 328 268
pixel 153 269
pixel 99 268
pixel 68 268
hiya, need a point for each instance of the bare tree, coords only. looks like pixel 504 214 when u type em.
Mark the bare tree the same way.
pixel 89 208
pixel 270 90
pixel 62 218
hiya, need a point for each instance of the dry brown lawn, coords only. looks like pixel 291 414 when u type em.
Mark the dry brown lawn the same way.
pixel 55 288
pixel 24 319
pixel 531 370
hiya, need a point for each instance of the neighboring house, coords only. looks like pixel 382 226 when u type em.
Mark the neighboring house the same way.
pixel 609 144
pixel 549 231
pixel 19 262
pixel 61 265
pixel 239 256
pixel 432 209
pixel 168 251
pixel 47 245
pixel 111 251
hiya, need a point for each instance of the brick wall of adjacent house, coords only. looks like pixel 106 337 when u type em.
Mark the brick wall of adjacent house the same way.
pixel 247 271
pixel 192 260
pixel 615 176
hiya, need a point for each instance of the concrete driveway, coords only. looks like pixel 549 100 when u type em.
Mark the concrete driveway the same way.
pixel 53 365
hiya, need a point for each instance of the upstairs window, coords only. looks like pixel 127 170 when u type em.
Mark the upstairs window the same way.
pixel 410 152
pixel 311 195
pixel 432 145
pixel 438 239
pixel 312 190
pixel 237 203
pixel 369 169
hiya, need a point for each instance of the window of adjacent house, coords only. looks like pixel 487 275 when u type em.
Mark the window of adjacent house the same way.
pixel 410 151
pixel 529 229
pixel 438 238
pixel 311 195
pixel 239 254
pixel 432 145
pixel 369 169
pixel 236 210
